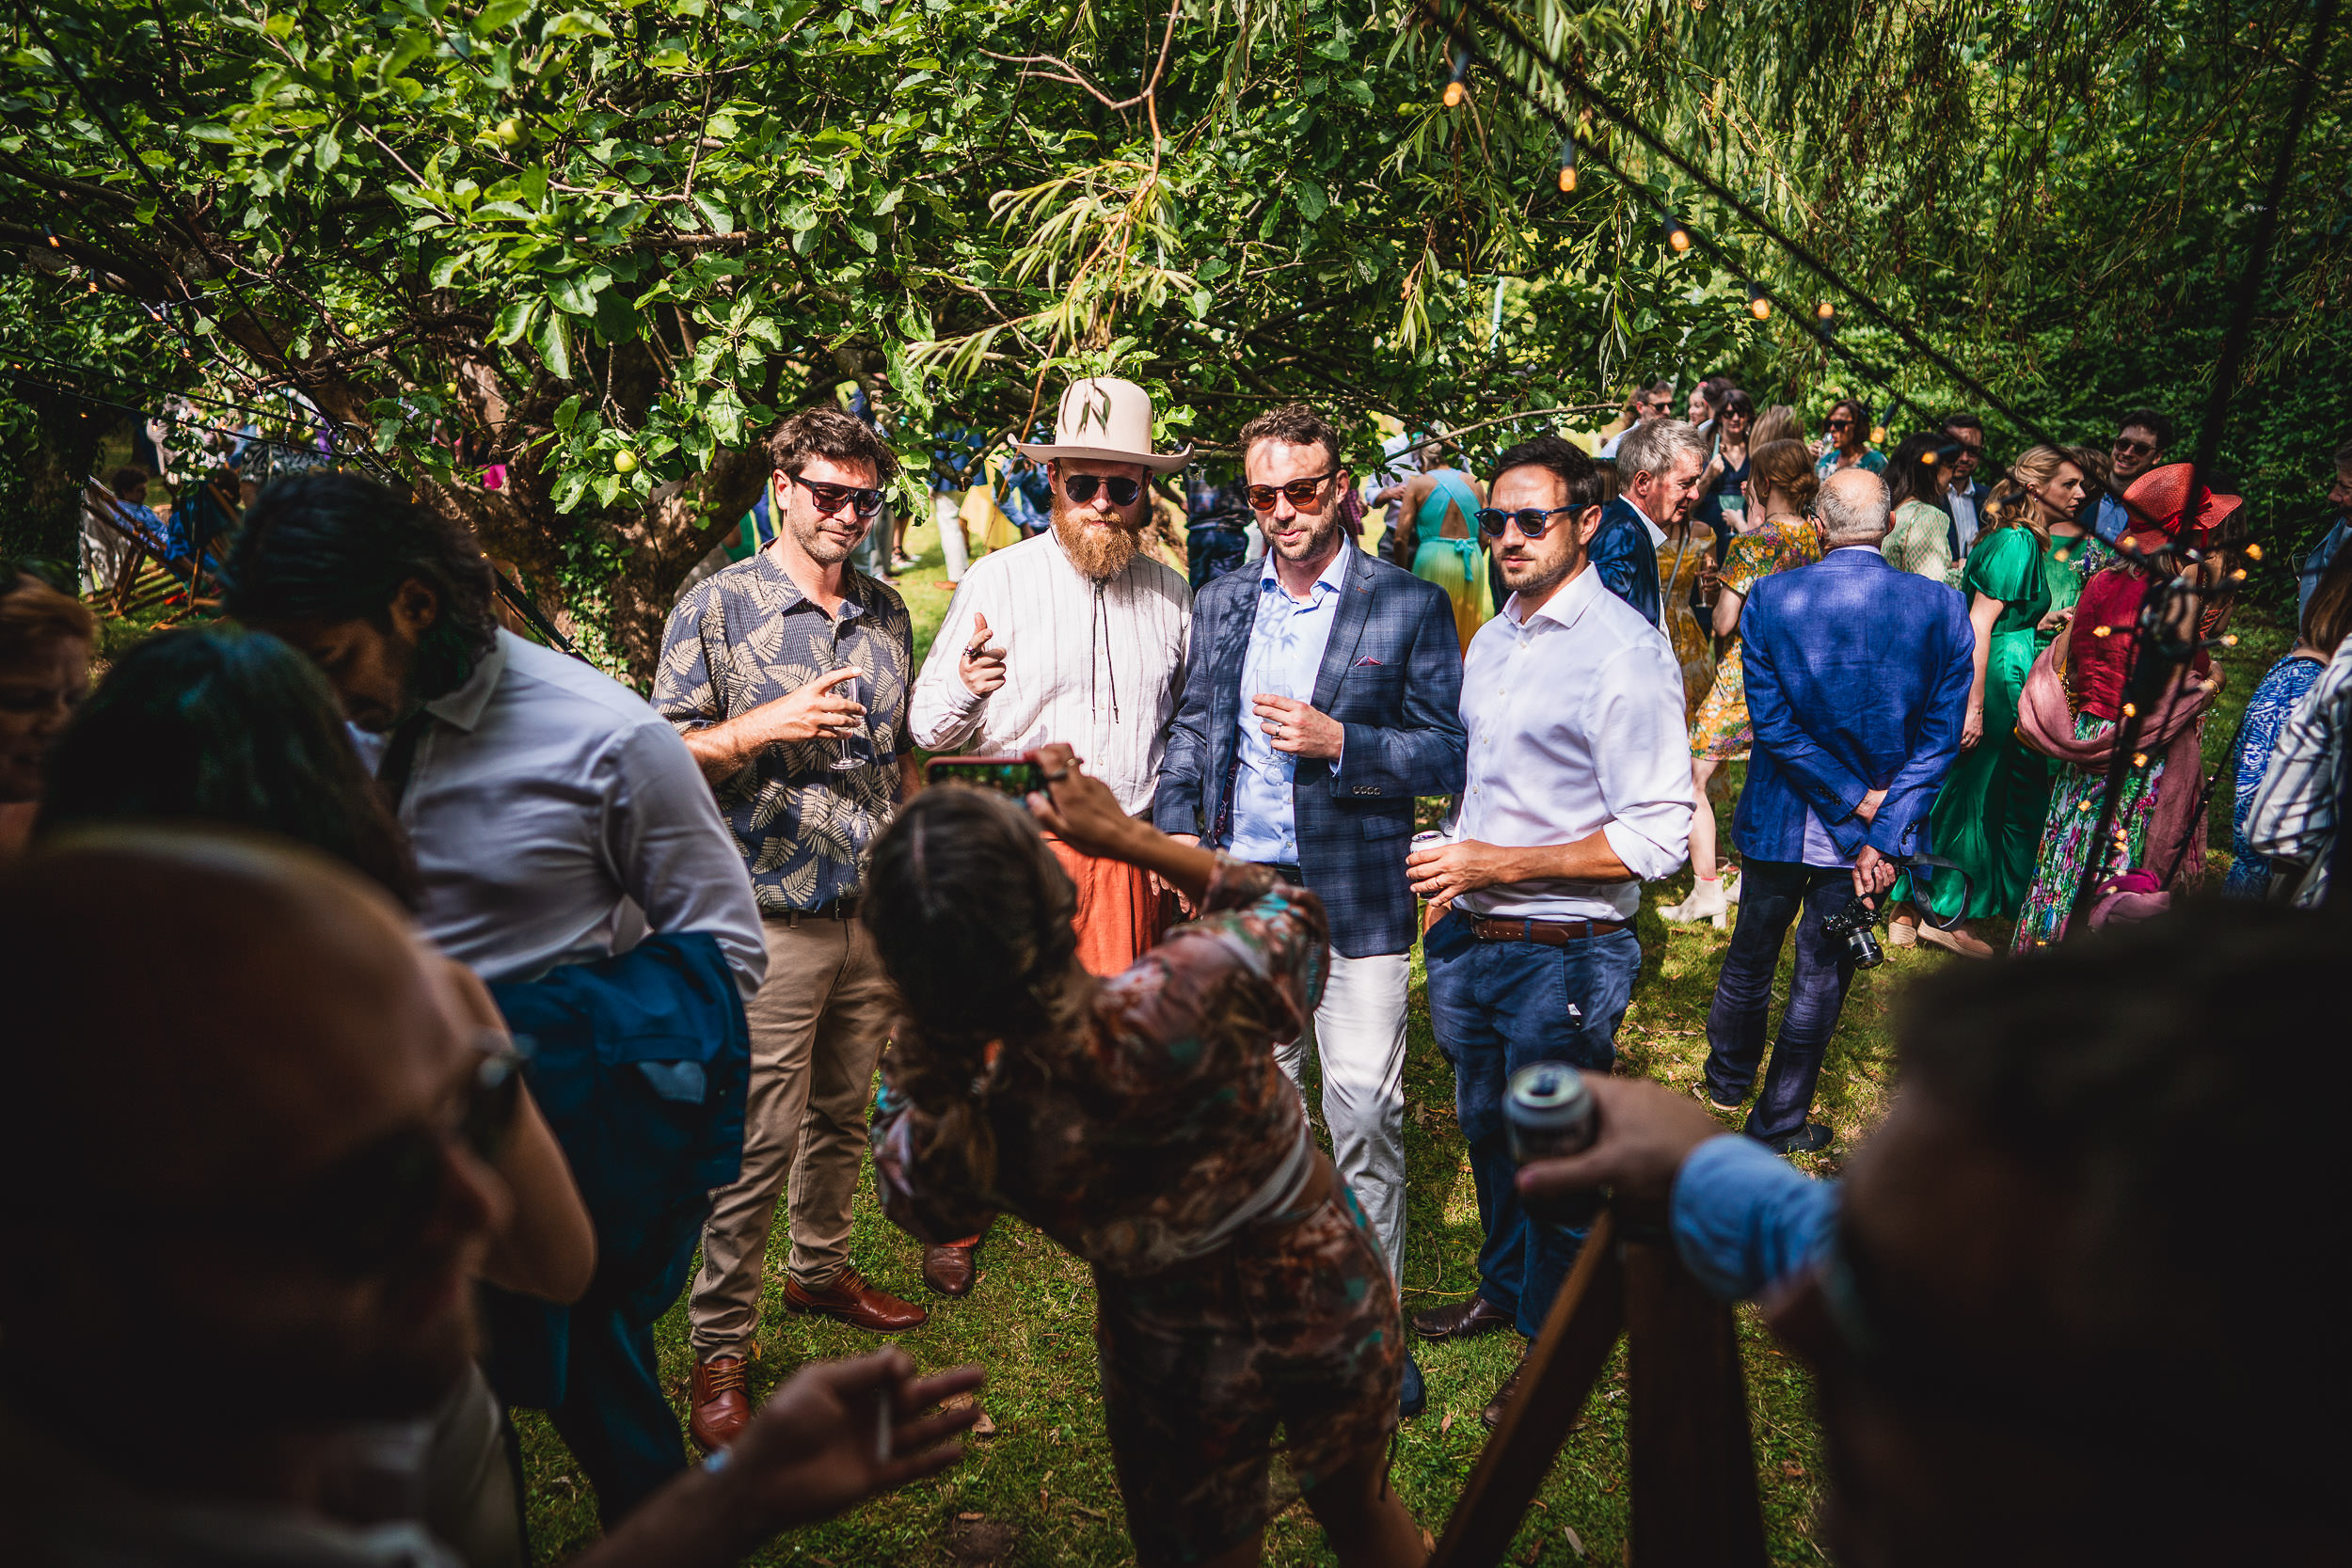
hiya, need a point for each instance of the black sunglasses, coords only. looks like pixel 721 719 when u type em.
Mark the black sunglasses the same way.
pixel 830 497
pixel 372 1207
pixel 1533 520
pixel 2130 448
pixel 1836 424
pixel 1122 490
pixel 1301 491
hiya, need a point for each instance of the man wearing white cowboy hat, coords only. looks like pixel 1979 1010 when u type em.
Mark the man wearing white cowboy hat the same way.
pixel 1075 636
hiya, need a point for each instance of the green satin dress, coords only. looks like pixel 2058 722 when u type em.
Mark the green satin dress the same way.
pixel 1988 820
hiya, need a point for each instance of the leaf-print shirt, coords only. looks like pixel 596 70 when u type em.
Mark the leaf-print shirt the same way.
pixel 747 635
pixel 1138 1136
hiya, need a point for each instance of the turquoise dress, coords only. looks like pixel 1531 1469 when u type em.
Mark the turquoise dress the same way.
pixel 1987 818
pixel 1458 566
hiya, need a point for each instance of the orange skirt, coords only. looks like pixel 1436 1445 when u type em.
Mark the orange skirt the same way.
pixel 1119 914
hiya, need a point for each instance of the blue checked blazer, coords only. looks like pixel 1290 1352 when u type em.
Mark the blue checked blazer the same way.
pixel 1392 675
pixel 1858 680
pixel 1621 554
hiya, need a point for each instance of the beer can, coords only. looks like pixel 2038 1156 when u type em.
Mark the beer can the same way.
pixel 1423 840
pixel 1549 1113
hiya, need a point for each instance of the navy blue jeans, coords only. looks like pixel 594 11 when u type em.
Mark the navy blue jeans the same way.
pixel 1496 1007
pixel 1771 894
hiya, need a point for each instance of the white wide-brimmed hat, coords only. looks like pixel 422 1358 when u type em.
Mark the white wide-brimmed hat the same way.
pixel 1105 420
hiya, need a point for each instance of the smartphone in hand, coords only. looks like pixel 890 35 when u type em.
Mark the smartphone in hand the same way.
pixel 1016 776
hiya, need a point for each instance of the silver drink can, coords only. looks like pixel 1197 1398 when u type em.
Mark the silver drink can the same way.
pixel 1549 1114
pixel 1423 840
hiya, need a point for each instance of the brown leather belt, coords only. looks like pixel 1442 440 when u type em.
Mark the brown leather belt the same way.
pixel 1546 933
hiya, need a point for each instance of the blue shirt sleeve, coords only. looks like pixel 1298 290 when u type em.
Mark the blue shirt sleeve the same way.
pixel 1745 1219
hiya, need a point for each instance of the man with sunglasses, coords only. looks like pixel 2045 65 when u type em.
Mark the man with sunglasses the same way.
pixel 1647 405
pixel 1079 637
pixel 1577 791
pixel 304 1168
pixel 2139 446
pixel 1320 705
pixel 2067 1305
pixel 788 675
pixel 1658 477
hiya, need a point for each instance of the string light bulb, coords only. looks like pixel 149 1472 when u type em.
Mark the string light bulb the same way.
pixel 2140 759
pixel 1567 165
pixel 51 235
pixel 1877 435
pixel 2253 552
pixel 1759 306
pixel 2131 710
pixel 1457 86
pixel 1826 311
pixel 1677 237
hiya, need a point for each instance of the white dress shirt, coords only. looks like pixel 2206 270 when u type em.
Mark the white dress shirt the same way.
pixel 1095 665
pixel 1286 643
pixel 1961 503
pixel 550 806
pixel 1576 726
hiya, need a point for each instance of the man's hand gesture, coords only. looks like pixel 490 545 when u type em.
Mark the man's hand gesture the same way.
pixel 1297 727
pixel 815 1449
pixel 982 666
pixel 816 711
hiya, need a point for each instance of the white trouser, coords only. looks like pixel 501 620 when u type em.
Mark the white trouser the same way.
pixel 1358 1033
pixel 947 512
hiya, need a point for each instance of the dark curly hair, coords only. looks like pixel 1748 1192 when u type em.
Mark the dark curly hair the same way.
pixel 972 915
pixel 825 431
pixel 333 546
pixel 219 725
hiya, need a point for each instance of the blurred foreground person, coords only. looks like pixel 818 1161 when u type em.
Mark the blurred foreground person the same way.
pixel 2066 1307
pixel 45 640
pixel 302 1167
pixel 1141 1121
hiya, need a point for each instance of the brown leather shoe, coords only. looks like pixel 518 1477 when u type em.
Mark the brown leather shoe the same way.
pixel 949 1269
pixel 1464 1320
pixel 722 1405
pixel 848 1296
pixel 1492 1415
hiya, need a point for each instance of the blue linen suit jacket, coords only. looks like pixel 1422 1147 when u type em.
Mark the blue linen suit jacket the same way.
pixel 1628 564
pixel 1857 678
pixel 1392 675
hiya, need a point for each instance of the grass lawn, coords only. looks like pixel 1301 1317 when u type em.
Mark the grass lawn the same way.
pixel 1040 1490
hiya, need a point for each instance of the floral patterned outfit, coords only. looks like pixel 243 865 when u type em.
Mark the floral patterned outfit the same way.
pixel 2266 713
pixel 1721 729
pixel 1237 1282
pixel 1694 650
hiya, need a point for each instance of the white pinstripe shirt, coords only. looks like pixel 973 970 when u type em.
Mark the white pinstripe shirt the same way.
pixel 2295 809
pixel 1098 667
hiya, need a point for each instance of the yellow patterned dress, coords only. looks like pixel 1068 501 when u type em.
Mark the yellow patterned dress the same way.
pixel 1720 731
pixel 1679 567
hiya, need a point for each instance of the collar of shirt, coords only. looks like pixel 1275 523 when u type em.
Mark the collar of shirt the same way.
pixel 462 708
pixel 1568 604
pixel 1657 534
pixel 851 605
pixel 1878 550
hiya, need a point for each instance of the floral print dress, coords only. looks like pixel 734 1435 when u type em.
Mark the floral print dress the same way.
pixel 1721 729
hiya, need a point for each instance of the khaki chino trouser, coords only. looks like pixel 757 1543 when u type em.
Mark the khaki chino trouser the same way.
pixel 818 1027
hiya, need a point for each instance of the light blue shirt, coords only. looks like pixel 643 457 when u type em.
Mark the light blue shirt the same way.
pixel 2113 518
pixel 1286 644
pixel 1745 1219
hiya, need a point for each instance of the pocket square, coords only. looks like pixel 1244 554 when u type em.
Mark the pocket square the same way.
pixel 1366 659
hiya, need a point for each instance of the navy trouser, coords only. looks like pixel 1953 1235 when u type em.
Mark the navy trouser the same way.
pixel 613 1415
pixel 1496 1007
pixel 1771 894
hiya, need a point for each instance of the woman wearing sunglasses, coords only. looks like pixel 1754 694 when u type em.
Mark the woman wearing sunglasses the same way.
pixel 1847 429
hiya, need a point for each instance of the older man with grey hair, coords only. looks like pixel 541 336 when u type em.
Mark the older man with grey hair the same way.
pixel 1658 477
pixel 1857 682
